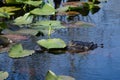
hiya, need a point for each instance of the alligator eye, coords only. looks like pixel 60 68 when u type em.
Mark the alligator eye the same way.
pixel 86 48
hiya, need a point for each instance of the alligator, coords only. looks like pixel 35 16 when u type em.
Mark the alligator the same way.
pixel 80 46
pixel 72 47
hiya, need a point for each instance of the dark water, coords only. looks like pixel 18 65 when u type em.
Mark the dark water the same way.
pixel 99 64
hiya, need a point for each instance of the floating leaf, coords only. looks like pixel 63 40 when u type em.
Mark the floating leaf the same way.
pixel 52 43
pixel 51 2
pixel 7 11
pixel 5 15
pixel 79 7
pixel 25 19
pixel 78 24
pixel 33 3
pixel 83 10
pixel 43 31
pixel 62 77
pixel 22 0
pixel 74 4
pixel 47 9
pixel 62 9
pixel 17 51
pixel 76 7
pixel 11 2
pixel 50 76
pixel 21 31
pixel 15 37
pixel 47 23
pixel 3 75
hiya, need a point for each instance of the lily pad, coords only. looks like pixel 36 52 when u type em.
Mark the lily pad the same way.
pixel 22 0
pixel 7 11
pixel 62 77
pixel 78 24
pixel 52 76
pixel 21 31
pixel 33 3
pixel 17 51
pixel 25 19
pixel 63 9
pixel 11 2
pixel 45 24
pixel 4 15
pixel 47 9
pixel 15 37
pixel 3 75
pixel 52 43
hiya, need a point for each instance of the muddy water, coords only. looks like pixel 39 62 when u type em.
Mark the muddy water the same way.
pixel 99 64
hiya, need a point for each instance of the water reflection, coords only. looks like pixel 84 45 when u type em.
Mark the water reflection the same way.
pixel 99 64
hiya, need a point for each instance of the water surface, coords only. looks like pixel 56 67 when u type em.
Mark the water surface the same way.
pixel 98 64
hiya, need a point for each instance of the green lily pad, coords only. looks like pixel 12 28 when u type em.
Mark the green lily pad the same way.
pixel 17 51
pixel 62 77
pixel 52 76
pixel 33 3
pixel 11 1
pixel 47 9
pixel 25 19
pixel 52 43
pixel 22 0
pixel 3 75
pixel 63 9
pixel 7 11
pixel 4 15
pixel 45 24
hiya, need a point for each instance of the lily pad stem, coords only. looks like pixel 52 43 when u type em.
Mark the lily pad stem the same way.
pixel 49 32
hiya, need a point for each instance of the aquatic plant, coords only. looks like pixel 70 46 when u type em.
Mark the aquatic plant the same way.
pixel 41 8
pixel 3 75
pixel 52 76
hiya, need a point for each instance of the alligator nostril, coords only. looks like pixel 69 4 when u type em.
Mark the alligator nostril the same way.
pixel 101 45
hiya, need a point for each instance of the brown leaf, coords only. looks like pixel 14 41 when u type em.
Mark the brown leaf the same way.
pixel 78 24
pixel 70 13
pixel 73 4
pixel 15 37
